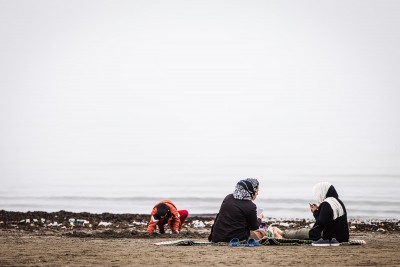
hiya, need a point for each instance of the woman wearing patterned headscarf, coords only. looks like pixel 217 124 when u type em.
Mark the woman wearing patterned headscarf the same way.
pixel 237 217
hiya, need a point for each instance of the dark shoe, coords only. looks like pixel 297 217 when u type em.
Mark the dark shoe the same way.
pixel 321 243
pixel 162 231
pixel 252 243
pixel 334 242
pixel 234 242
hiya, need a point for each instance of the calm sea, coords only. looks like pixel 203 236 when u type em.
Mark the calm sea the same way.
pixel 135 189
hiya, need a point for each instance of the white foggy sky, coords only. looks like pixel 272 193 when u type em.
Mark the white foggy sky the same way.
pixel 167 82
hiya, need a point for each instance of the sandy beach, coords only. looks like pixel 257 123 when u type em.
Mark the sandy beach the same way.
pixel 120 240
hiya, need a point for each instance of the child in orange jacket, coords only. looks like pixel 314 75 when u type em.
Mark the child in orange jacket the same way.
pixel 165 212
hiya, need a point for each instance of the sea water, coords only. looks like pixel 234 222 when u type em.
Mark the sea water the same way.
pixel 198 188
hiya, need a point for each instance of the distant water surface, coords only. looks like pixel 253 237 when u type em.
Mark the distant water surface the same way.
pixel 281 195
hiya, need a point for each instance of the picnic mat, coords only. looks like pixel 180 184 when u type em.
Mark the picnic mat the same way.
pixel 265 242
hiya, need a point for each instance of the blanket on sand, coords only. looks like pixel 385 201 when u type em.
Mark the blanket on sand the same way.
pixel 265 242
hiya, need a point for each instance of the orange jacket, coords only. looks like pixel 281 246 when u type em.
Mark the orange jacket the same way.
pixel 173 221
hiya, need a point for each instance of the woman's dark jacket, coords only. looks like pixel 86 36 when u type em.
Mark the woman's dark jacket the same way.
pixel 325 226
pixel 235 220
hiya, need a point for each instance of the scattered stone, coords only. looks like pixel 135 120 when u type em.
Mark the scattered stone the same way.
pixel 108 225
pixel 138 223
pixel 284 224
pixel 198 224
pixel 209 223
pixel 104 224
pixel 82 221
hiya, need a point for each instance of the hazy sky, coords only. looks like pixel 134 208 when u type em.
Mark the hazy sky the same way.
pixel 91 83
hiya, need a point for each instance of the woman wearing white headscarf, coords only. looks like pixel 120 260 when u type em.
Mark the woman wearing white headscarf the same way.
pixel 237 217
pixel 330 218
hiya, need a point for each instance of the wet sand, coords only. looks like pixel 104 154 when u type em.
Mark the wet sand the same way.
pixel 26 244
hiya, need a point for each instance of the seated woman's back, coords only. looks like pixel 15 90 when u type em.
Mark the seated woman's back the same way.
pixel 235 220
pixel 237 216
pixel 331 216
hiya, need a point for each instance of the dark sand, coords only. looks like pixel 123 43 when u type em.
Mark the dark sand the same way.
pixel 125 243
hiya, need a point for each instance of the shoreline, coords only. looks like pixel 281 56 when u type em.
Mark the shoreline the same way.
pixel 111 225
pixel 374 218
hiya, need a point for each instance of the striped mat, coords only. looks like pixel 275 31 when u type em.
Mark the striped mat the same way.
pixel 265 242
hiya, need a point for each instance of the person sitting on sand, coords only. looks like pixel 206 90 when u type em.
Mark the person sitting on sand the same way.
pixel 330 218
pixel 165 212
pixel 237 217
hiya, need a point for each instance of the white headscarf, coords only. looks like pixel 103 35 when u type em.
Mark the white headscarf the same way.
pixel 319 191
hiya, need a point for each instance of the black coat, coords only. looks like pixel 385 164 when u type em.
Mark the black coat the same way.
pixel 325 226
pixel 235 220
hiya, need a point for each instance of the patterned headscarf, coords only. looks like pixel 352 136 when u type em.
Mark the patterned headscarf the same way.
pixel 245 189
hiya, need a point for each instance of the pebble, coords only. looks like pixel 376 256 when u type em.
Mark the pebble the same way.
pixel 138 223
pixel 198 224
pixel 82 221
pixel 104 224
